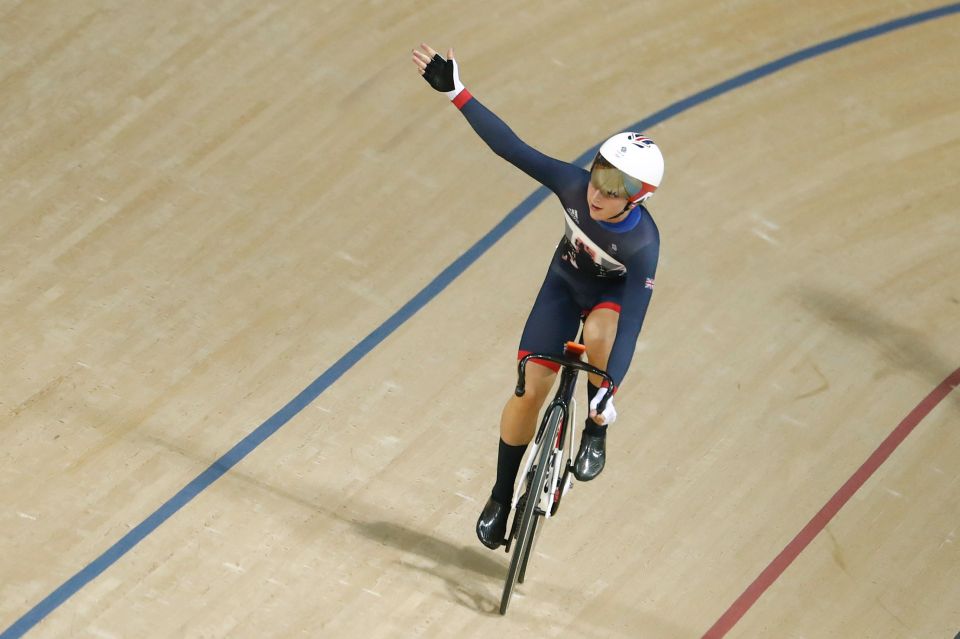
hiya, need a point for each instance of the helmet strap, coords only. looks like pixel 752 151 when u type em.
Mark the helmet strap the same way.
pixel 626 209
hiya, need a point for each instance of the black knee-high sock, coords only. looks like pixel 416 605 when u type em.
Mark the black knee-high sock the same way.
pixel 591 427
pixel 508 463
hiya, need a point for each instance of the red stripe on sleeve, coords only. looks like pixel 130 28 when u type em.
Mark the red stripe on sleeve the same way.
pixel 462 98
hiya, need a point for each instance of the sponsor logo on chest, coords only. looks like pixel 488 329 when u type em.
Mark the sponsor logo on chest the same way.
pixel 575 214
pixel 602 256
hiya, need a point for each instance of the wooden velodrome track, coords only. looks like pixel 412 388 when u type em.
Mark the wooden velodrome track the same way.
pixel 205 206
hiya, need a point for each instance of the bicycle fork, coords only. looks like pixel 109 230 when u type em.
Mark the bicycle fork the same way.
pixel 561 481
pixel 560 474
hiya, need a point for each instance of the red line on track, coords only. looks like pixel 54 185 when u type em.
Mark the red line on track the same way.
pixel 780 563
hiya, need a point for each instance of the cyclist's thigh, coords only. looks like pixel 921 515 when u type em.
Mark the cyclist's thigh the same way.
pixel 608 295
pixel 600 326
pixel 553 320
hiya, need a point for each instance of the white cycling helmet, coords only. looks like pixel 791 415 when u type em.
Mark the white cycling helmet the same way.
pixel 628 165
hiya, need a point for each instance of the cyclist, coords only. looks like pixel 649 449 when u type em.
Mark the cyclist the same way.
pixel 602 272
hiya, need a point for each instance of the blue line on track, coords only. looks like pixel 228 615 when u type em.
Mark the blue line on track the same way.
pixel 245 446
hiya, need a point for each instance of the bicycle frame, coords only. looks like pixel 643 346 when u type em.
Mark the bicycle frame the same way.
pixel 545 491
pixel 562 400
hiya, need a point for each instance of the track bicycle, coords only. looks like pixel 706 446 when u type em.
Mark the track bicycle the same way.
pixel 548 471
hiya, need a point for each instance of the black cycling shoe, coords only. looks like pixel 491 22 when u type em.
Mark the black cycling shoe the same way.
pixel 492 524
pixel 591 457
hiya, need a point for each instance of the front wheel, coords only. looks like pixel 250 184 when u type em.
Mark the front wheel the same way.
pixel 537 520
pixel 534 488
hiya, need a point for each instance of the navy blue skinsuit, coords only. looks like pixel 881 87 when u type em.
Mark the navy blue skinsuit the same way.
pixel 596 264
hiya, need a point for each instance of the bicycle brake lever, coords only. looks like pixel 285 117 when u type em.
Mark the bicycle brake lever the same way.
pixel 521 379
pixel 602 406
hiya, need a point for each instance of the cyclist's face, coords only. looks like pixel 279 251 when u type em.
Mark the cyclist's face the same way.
pixel 604 205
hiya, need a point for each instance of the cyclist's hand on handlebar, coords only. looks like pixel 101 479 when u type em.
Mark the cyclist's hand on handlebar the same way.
pixel 609 414
pixel 442 74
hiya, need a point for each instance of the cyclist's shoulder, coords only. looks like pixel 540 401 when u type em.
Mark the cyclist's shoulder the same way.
pixel 646 234
pixel 643 248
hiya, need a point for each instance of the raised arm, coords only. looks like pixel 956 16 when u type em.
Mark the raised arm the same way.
pixel 444 76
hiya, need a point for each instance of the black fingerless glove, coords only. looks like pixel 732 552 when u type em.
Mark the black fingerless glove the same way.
pixel 444 76
pixel 439 74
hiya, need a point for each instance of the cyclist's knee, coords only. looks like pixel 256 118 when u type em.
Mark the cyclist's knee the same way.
pixel 599 344
pixel 539 381
pixel 531 401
